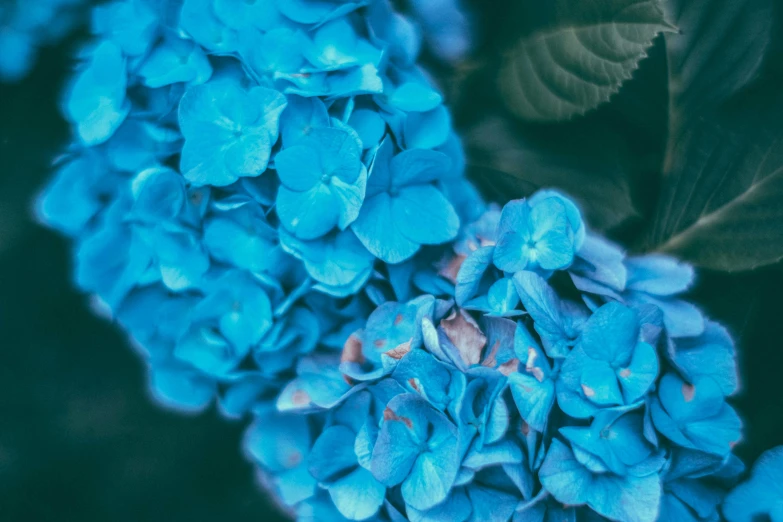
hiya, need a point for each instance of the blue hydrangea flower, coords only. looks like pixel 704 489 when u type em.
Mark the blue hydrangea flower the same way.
pixel 657 279
pixel 338 262
pixel 417 448
pixel 576 410
pixel 609 367
pixel 446 26
pixel 574 477
pixel 233 317
pixel 250 180
pixel 26 26
pixel 323 182
pixel 229 132
pixel 400 197
pixel 175 61
pixel 96 102
pixel 696 483
pixel 132 25
pixel 695 415
pixel 543 233
pixel 223 143
pixel 333 462
pixel 762 495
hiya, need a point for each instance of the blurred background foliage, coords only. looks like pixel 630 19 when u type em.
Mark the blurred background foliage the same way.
pixel 685 157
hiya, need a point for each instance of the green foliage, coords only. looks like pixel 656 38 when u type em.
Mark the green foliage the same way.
pixel 687 158
pixel 567 70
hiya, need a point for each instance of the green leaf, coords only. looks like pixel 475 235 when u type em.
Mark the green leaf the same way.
pixel 721 201
pixel 723 206
pixel 572 68
pixel 586 159
pixel 718 50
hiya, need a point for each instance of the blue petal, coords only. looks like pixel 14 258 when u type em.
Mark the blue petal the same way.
pixel 511 254
pixel 695 416
pixel 309 214
pixel 243 238
pixel 618 498
pixel 336 260
pixel 368 125
pixel 197 20
pixel 456 508
pixel 300 117
pixel 424 216
pixel 181 388
pixel 543 305
pixel 600 262
pixel 572 212
pixel 332 454
pixel 376 229
pixel 278 442
pixel 762 494
pixel 358 495
pixel 380 178
pixel 228 132
pixel 132 25
pixel 682 319
pixel 611 334
pixel 175 61
pixel 432 476
pixel 277 52
pixel 96 101
pixel 533 398
pixel 298 167
pixel 415 97
pixel 427 130
pixel 350 196
pixel 421 373
pixel 244 393
pixel 490 504
pixel 471 273
pixel 658 274
pixel 415 167
pixel 711 354
pixel 551 235
pixel 241 14
pixel 639 376
pixel 396 448
pixel 72 198
pixel 565 478
pixel 599 385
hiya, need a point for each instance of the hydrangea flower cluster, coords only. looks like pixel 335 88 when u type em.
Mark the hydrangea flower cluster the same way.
pixel 547 377
pixel 26 25
pixel 240 171
pixel 268 196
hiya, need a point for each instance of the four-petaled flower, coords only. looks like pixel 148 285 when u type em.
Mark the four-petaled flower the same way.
pixel 540 233
pixel 609 367
pixel 323 182
pixel 229 132
pixel 404 209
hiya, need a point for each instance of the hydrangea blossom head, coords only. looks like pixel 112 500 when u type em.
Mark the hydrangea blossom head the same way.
pixel 232 159
pixel 534 401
